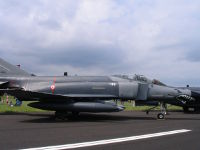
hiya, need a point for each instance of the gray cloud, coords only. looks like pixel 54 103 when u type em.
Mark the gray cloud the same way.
pixel 156 38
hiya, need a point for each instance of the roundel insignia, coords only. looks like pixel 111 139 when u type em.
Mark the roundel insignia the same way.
pixel 52 87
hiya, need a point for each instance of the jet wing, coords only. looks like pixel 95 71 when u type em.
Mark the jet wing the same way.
pixel 3 84
pixel 29 95
pixel 39 96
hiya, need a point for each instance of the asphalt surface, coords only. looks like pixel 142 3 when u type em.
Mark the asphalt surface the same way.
pixel 30 130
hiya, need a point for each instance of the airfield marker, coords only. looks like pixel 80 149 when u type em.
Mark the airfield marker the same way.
pixel 109 141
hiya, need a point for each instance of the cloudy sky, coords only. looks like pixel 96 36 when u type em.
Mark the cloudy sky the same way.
pixel 156 38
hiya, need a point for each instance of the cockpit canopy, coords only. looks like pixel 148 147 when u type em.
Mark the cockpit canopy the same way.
pixel 141 78
pixel 157 82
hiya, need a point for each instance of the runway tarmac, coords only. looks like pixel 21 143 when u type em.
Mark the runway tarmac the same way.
pixel 33 130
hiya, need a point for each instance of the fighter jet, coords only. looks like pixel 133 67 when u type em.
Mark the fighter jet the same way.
pixel 75 94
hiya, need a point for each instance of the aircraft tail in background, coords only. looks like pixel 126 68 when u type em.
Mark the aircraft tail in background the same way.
pixel 6 69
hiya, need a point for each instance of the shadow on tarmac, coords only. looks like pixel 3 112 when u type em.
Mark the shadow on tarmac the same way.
pixel 84 117
pixel 89 117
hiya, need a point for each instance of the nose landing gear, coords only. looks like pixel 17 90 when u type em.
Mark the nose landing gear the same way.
pixel 160 116
pixel 163 111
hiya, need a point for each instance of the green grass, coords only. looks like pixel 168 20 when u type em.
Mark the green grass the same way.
pixel 24 108
pixel 4 107
pixel 129 107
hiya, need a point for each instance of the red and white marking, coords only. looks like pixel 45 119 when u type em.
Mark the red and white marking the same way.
pixel 53 87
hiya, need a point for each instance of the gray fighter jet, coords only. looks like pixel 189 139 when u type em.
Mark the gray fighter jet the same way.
pixel 75 94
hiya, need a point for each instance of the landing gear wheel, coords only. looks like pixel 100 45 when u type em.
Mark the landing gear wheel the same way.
pixel 160 116
pixel 61 115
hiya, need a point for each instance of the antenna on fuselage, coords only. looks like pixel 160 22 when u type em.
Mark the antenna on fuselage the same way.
pixel 65 74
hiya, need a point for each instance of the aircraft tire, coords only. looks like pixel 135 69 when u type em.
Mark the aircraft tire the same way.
pixel 160 116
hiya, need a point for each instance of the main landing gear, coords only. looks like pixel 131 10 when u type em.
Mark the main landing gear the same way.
pixel 163 111
pixel 61 115
pixel 64 115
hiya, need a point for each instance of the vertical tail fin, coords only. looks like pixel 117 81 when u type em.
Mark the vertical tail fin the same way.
pixel 6 69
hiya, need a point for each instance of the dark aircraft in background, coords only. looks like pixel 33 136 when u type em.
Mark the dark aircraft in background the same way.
pixel 189 106
pixel 192 106
pixel 75 94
